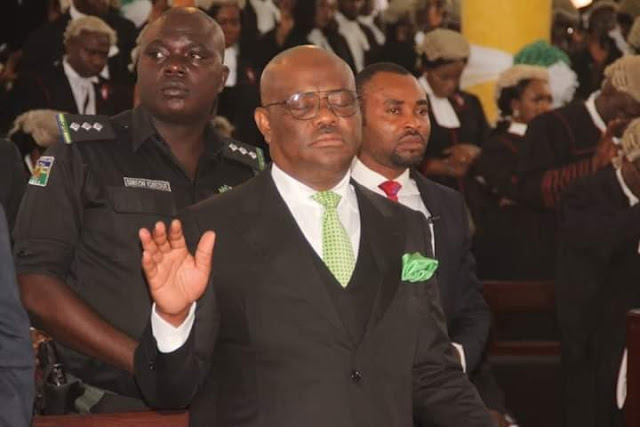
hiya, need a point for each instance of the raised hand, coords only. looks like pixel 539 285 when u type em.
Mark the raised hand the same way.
pixel 176 278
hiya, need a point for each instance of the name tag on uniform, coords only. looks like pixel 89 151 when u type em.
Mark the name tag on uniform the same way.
pixel 150 184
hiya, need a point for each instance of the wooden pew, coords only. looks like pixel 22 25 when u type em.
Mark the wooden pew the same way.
pixel 129 419
pixel 520 297
pixel 632 403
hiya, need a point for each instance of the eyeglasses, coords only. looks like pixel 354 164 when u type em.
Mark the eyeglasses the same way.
pixel 306 105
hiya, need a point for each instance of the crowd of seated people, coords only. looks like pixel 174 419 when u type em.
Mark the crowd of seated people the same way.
pixel 532 182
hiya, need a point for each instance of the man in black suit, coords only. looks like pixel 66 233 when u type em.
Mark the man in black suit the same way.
pixel 597 284
pixel 395 134
pixel 73 84
pixel 16 355
pixel 311 314
pixel 46 46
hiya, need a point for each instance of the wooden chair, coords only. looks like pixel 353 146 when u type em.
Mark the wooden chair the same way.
pixel 517 297
pixel 632 403
pixel 130 419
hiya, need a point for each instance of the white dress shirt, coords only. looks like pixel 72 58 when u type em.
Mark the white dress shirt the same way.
pixel 308 215
pixel 82 87
pixel 442 109
pixel 409 196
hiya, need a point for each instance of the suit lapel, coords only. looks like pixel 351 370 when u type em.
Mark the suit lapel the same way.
pixel 282 248
pixel 385 243
pixel 430 200
pixel 62 95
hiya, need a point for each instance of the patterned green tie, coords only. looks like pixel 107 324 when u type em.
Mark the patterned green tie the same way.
pixel 337 252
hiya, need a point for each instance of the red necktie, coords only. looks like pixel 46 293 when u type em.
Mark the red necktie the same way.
pixel 391 189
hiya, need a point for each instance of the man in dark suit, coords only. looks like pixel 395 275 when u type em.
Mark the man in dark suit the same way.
pixel 73 83
pixel 597 283
pixel 46 46
pixel 16 355
pixel 311 315
pixel 395 134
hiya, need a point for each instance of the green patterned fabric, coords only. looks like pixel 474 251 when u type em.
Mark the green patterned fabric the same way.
pixel 337 252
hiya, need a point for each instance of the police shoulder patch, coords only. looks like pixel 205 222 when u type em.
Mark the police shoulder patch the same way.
pixel 79 127
pixel 247 154
pixel 41 171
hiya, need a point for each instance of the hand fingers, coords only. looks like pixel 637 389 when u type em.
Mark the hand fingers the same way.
pixel 148 244
pixel 160 237
pixel 204 252
pixel 176 237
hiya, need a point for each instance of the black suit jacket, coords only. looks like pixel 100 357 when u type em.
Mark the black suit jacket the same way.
pixel 464 306
pixel 597 283
pixel 16 355
pixel 270 347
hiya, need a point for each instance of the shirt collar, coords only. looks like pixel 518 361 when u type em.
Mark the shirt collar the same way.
pixel 371 179
pixel 633 200
pixel 295 192
pixel 73 74
pixel 593 113
pixel 143 130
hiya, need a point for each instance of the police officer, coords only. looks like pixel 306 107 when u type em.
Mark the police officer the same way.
pixel 76 248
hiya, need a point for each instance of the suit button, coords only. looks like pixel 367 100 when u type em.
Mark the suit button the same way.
pixel 356 376
pixel 152 365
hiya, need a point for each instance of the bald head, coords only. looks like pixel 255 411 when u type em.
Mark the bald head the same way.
pixel 188 20
pixel 277 79
pixel 310 116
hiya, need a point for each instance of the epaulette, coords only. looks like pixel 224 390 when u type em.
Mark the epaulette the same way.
pixel 84 127
pixel 246 154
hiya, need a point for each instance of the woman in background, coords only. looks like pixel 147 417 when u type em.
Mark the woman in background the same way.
pixel 458 122
pixel 509 244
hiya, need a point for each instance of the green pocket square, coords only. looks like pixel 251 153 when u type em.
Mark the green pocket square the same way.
pixel 417 268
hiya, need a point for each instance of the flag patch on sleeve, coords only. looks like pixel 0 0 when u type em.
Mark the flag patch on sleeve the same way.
pixel 42 171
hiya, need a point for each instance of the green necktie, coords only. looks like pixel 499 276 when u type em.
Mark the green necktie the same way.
pixel 337 252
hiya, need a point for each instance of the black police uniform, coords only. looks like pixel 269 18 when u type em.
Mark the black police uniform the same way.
pixel 87 200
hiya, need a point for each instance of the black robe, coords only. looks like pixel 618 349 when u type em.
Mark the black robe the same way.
pixel 512 241
pixel 597 283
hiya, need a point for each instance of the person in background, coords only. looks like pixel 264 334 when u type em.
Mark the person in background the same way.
pixel 240 95
pixel 360 38
pixel 599 49
pixel 429 15
pixel 313 23
pixel 597 284
pixel 509 243
pixel 562 79
pixel 569 143
pixel 74 84
pixel 458 122
pixel 400 46
pixel 46 45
